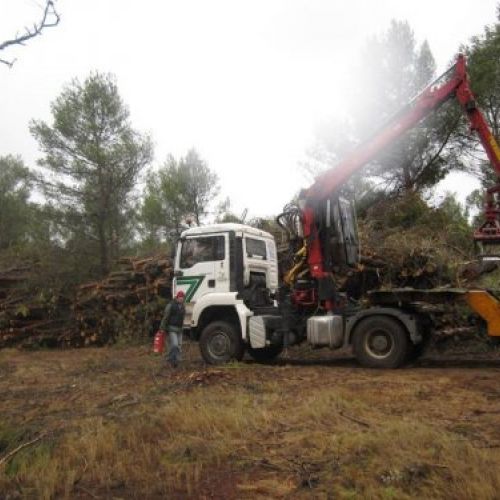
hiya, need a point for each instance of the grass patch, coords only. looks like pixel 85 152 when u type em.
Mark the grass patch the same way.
pixel 248 431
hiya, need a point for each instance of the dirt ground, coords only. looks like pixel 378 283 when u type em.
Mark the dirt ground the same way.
pixel 108 423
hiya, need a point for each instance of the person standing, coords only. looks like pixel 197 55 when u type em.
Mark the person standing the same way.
pixel 172 321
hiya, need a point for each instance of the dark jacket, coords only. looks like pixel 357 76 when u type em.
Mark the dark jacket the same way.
pixel 173 316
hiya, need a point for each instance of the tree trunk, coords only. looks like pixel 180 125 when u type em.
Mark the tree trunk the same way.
pixel 101 223
pixel 407 180
pixel 103 247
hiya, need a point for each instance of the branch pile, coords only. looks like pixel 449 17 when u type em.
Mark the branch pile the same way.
pixel 406 243
pixel 26 312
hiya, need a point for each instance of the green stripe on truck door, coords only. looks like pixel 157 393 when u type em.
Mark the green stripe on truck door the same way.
pixel 193 283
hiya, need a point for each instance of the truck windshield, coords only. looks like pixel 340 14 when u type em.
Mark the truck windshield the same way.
pixel 205 249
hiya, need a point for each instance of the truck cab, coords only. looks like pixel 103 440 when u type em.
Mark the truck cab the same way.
pixel 229 273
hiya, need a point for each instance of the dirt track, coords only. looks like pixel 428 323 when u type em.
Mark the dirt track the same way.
pixel 106 424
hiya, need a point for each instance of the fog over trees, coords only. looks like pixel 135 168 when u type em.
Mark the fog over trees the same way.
pixel 97 192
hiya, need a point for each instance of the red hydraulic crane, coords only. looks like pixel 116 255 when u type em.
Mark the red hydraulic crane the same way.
pixel 429 100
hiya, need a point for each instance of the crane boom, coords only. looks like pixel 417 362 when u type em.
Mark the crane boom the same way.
pixel 428 101
pixel 320 205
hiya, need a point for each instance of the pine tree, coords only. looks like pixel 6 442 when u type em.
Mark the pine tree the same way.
pixel 395 69
pixel 92 158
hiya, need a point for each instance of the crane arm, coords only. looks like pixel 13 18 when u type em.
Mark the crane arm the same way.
pixel 430 99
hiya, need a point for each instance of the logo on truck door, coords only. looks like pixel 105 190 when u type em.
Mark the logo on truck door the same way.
pixel 193 283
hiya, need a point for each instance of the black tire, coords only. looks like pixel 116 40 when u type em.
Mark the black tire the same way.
pixel 220 342
pixel 265 354
pixel 381 342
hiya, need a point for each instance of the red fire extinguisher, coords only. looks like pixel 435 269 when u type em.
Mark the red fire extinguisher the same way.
pixel 159 342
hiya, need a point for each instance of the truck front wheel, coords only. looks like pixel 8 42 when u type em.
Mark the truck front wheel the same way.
pixel 220 343
pixel 380 342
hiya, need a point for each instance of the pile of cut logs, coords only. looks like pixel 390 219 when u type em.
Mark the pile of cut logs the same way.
pixel 128 303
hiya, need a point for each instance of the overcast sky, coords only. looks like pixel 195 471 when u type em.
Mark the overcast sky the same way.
pixel 244 82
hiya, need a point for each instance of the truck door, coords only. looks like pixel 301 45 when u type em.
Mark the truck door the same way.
pixel 202 266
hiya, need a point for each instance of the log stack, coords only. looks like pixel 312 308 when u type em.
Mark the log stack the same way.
pixel 127 303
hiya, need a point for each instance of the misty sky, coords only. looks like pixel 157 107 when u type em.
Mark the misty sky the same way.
pixel 244 82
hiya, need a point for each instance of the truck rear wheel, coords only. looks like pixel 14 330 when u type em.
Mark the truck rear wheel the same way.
pixel 220 343
pixel 265 354
pixel 380 342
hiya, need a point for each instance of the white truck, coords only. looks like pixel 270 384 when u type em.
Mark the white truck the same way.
pixel 229 272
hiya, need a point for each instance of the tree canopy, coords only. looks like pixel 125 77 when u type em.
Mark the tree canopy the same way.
pixel 16 182
pixel 92 159
pixel 179 192
pixel 483 56
pixel 396 68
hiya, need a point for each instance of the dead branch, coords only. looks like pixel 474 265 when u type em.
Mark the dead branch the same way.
pixel 11 454
pixel 85 490
pixel 49 19
pixel 355 420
